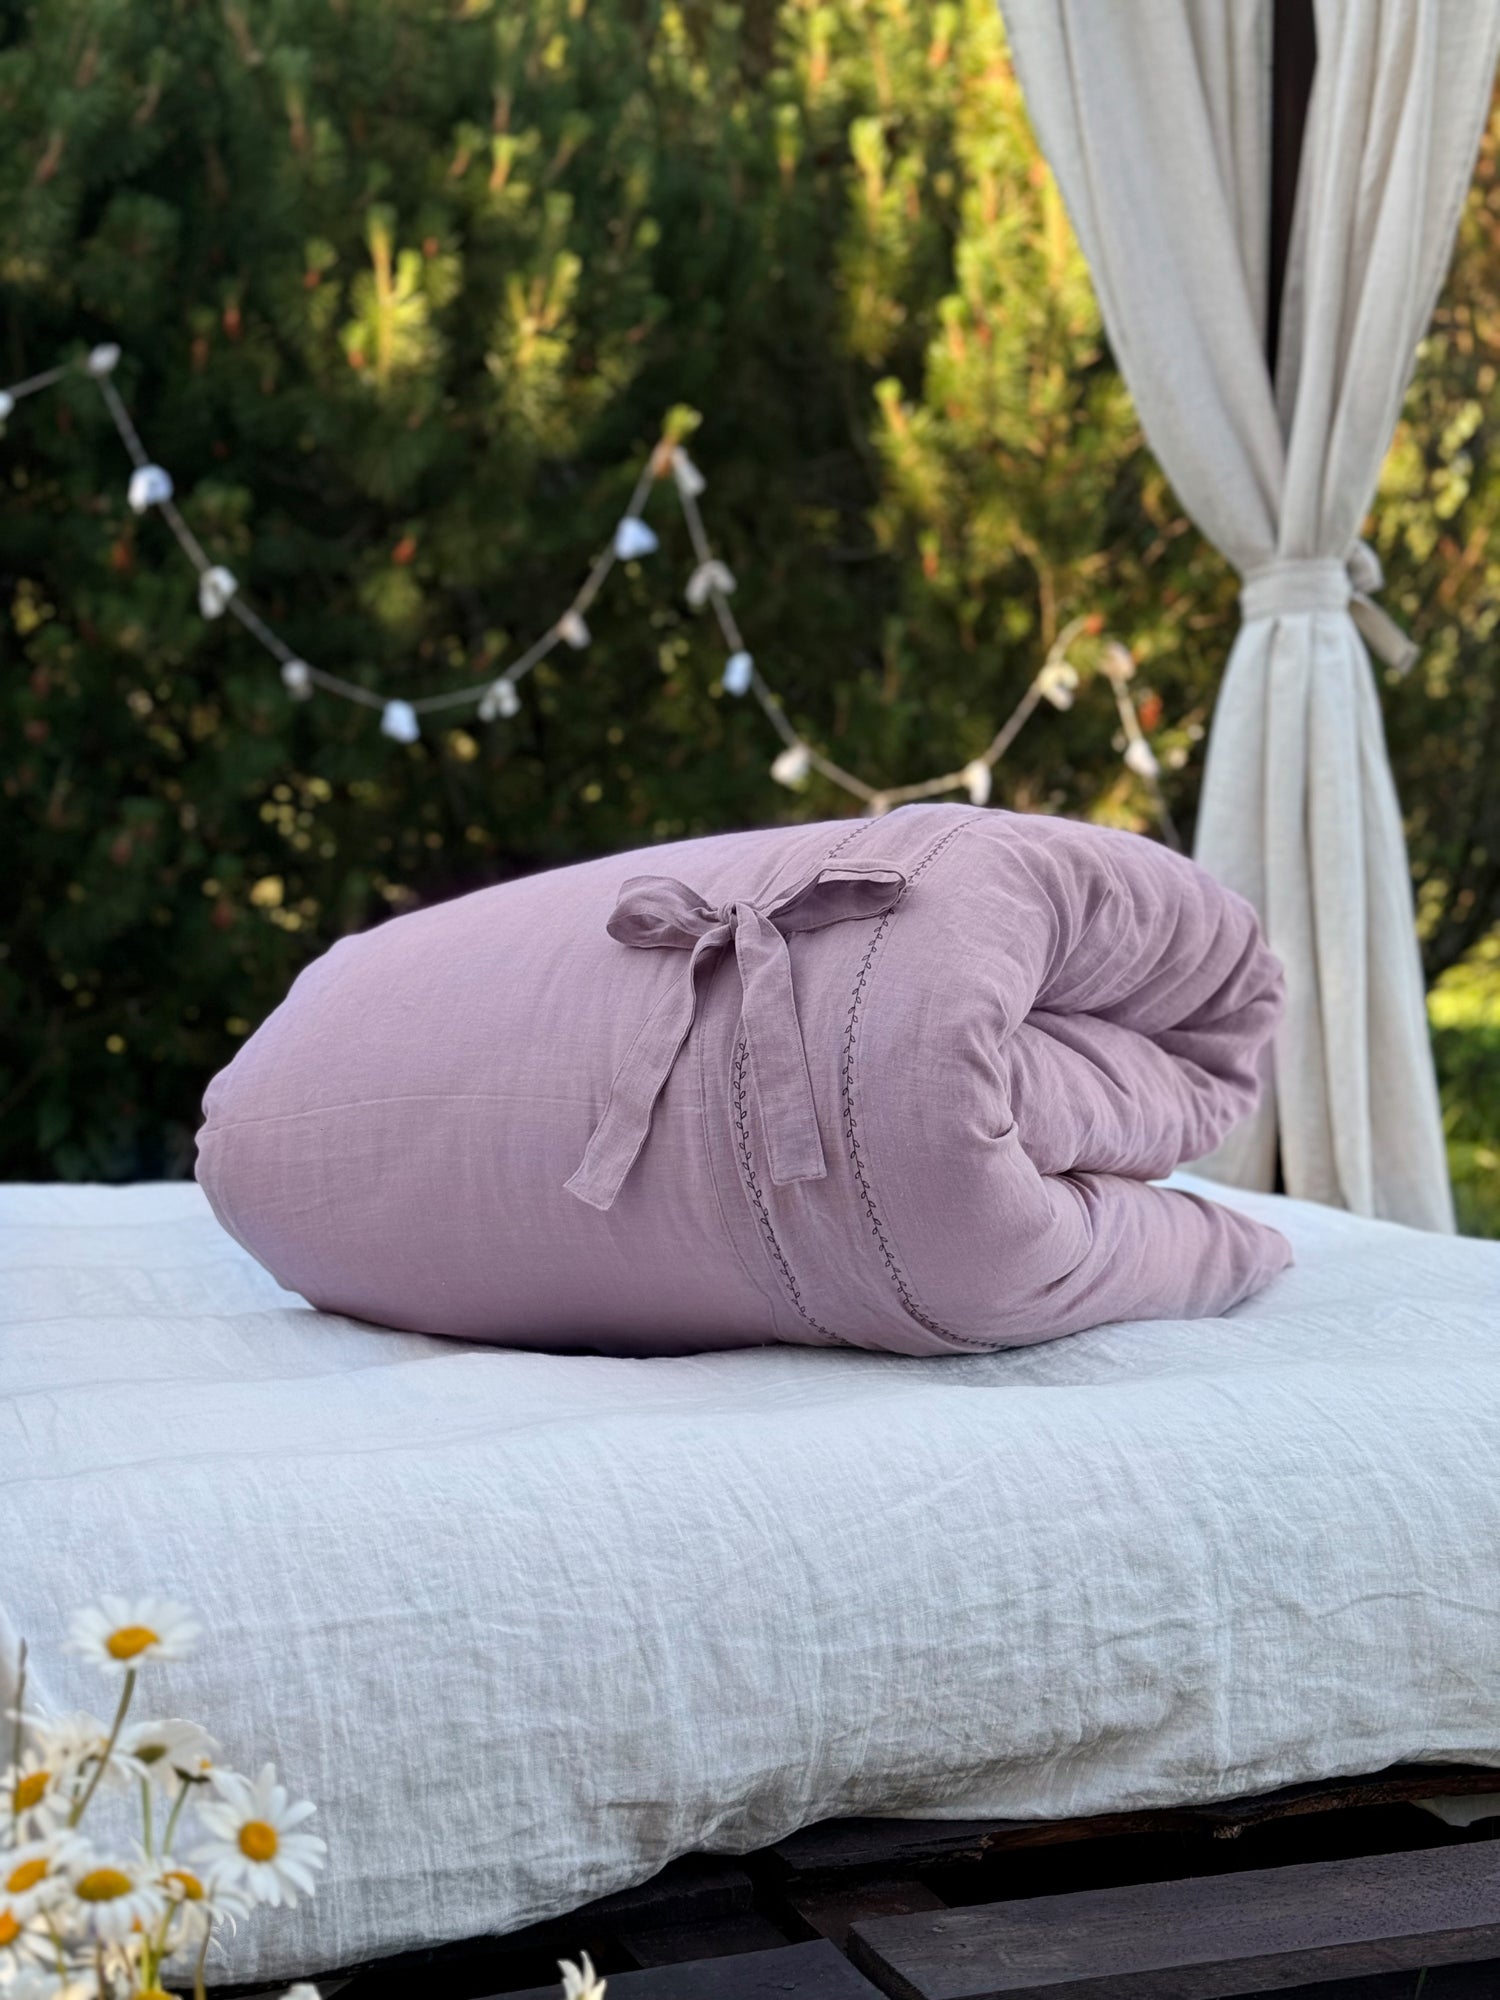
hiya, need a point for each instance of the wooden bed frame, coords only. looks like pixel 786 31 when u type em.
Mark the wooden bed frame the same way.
pixel 1345 1887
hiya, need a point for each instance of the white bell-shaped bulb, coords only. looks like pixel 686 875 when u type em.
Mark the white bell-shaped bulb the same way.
pixel 709 579
pixel 215 588
pixel 500 700
pixel 978 778
pixel 739 669
pixel 1058 683
pixel 633 538
pixel 398 720
pixel 149 486
pixel 792 766
pixel 690 481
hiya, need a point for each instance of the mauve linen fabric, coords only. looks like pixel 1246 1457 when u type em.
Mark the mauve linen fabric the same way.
pixel 900 1085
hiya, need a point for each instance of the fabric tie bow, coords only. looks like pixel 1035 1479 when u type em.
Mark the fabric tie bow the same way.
pixel 656 912
pixel 1321 583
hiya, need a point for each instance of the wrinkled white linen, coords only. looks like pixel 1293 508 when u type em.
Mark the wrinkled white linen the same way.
pixel 526 1627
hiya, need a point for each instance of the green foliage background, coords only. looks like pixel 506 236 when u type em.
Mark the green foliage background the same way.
pixel 404 290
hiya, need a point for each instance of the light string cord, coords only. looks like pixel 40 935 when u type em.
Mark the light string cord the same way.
pixel 711 585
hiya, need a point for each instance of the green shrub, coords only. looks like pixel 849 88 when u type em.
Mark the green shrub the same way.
pixel 404 291
pixel 1465 1010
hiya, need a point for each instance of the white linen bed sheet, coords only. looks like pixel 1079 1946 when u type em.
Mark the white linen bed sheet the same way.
pixel 527 1627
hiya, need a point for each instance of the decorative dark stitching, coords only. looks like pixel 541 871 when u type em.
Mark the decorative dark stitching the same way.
pixel 742 1142
pixel 859 827
pixel 851 1123
pixel 747 1167
pixel 742 1134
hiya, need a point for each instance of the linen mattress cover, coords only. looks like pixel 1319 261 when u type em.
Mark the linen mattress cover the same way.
pixel 527 1626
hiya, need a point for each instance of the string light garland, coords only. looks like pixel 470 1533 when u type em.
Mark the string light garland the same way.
pixel 709 587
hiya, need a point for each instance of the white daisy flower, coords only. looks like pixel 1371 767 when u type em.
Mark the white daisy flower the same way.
pixel 198 1902
pixel 169 1750
pixel 111 1894
pixel 32 1982
pixel 22 1940
pixel 258 1845
pixel 74 1744
pixel 122 1632
pixel 61 1755
pixel 33 1876
pixel 303 1990
pixel 580 1982
pixel 35 1790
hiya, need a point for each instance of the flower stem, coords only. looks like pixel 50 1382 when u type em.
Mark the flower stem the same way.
pixel 57 1945
pixel 200 1990
pixel 81 1805
pixel 172 1818
pixel 18 1737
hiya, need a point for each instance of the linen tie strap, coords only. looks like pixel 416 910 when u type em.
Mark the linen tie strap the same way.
pixel 1322 583
pixel 656 912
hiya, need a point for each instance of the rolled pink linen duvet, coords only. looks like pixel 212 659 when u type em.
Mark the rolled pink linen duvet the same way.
pixel 901 1084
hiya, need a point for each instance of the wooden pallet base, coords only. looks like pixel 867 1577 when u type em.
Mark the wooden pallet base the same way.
pixel 1201 1939
pixel 951 1910
pixel 788 1972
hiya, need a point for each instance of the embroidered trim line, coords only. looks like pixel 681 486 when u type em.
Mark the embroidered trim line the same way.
pixel 737 1094
pixel 851 1121
pixel 746 1158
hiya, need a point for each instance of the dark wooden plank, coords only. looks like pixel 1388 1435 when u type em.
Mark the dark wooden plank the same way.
pixel 832 1909
pixel 672 1944
pixel 698 1888
pixel 840 1846
pixel 1201 1939
pixel 795 1972
pixel 838 1853
pixel 836 1847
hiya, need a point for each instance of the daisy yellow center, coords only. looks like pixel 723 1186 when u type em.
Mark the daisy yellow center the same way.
pixel 187 1882
pixel 103 1885
pixel 258 1842
pixel 130 1641
pixel 10 1930
pixel 30 1789
pixel 27 1875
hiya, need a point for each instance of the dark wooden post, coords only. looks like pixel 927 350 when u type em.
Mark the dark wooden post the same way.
pixel 1294 56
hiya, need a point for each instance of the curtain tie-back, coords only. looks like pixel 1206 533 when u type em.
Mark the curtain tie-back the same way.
pixel 1323 583
pixel 656 912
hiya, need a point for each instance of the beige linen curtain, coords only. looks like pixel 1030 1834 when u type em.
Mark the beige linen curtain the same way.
pixel 1155 116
